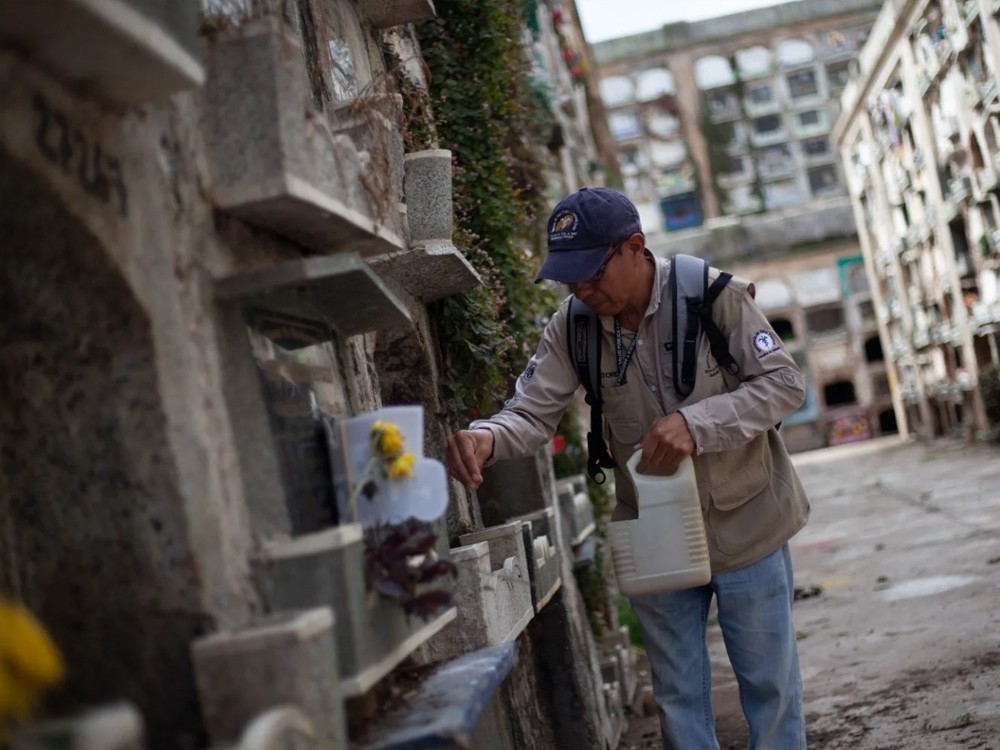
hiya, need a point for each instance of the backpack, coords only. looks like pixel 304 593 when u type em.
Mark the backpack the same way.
pixel 690 313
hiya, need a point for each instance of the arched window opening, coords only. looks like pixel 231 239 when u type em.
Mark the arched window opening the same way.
pixel 712 72
pixel 887 421
pixel 873 350
pixel 784 329
pixel 792 52
pixel 839 393
pixel 754 61
pixel 654 83
pixel 616 90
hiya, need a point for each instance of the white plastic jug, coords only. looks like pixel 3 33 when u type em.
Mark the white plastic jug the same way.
pixel 664 549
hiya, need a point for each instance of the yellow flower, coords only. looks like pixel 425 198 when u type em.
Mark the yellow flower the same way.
pixel 16 699
pixel 402 466
pixel 29 662
pixel 386 440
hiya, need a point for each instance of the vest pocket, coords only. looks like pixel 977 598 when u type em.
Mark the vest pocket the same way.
pixel 750 483
pixel 620 409
pixel 626 432
pixel 743 511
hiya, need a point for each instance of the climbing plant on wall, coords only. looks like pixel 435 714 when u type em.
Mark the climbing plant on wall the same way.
pixel 487 115
pixel 719 136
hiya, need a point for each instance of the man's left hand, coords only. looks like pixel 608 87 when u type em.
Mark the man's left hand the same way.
pixel 667 443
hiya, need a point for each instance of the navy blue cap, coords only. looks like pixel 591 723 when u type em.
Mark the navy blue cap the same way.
pixel 582 229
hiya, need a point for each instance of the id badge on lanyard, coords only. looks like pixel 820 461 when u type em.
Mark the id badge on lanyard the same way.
pixel 623 357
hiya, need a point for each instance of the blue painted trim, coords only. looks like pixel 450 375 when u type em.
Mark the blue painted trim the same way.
pixel 446 711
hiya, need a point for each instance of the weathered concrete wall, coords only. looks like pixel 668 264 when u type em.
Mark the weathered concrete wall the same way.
pixel 121 480
pixel 101 540
pixel 131 500
pixel 527 717
pixel 567 662
pixel 139 470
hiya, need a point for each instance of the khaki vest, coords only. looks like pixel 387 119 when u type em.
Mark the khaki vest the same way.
pixel 751 497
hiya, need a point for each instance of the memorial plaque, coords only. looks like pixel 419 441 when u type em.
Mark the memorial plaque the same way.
pixel 297 423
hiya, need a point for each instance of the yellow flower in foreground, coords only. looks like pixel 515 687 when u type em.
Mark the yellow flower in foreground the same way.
pixel 402 466
pixel 386 440
pixel 29 662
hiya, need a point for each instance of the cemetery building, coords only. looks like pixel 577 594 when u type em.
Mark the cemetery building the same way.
pixel 723 131
pixel 220 254
pixel 919 139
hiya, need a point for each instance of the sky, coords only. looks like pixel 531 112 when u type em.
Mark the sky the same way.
pixel 607 19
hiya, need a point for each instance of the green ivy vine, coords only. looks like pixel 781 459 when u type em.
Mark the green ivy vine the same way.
pixel 486 113
pixel 717 136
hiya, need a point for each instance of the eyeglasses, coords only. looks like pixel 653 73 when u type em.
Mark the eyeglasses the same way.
pixel 615 249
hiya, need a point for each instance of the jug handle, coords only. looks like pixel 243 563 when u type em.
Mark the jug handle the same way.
pixel 633 462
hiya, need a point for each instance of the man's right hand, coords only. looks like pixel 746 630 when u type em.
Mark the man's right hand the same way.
pixel 468 450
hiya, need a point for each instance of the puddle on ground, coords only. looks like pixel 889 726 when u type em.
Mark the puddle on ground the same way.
pixel 926 586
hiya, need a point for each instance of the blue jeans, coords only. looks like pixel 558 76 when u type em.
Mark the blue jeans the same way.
pixel 755 614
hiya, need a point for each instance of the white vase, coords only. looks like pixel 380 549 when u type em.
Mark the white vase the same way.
pixel 423 496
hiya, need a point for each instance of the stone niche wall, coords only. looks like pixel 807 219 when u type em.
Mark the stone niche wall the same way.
pixel 94 534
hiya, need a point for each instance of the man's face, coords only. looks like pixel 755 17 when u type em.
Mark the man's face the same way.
pixel 608 291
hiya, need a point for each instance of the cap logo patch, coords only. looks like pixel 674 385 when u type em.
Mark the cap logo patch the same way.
pixel 565 221
pixel 564 226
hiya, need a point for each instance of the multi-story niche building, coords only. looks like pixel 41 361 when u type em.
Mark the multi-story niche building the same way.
pixel 225 226
pixel 920 143
pixel 723 134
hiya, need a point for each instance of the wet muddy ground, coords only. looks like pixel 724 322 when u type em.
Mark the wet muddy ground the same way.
pixel 899 625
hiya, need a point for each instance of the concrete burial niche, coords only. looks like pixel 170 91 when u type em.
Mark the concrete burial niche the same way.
pixel 283 659
pixel 432 267
pixel 92 520
pixel 542 552
pixel 576 509
pixel 617 645
pixel 327 568
pixel 493 593
pixel 516 487
pixel 274 160
pixel 614 722
pixel 116 726
pixel 281 728
pixel 429 272
pixel 127 51
pixel 385 13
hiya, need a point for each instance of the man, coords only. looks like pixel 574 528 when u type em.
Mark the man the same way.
pixel 752 500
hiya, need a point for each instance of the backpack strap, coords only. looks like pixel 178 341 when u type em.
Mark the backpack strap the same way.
pixel 716 339
pixel 583 333
pixel 692 314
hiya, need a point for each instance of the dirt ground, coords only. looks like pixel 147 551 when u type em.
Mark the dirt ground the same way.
pixel 900 637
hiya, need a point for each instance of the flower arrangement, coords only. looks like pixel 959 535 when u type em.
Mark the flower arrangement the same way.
pixel 30 663
pixel 403 563
pixel 381 476
pixel 388 456
pixel 400 557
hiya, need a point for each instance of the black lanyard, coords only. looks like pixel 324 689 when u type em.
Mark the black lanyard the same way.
pixel 623 357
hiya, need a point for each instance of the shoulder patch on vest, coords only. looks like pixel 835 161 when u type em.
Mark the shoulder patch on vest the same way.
pixel 790 378
pixel 764 343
